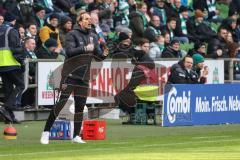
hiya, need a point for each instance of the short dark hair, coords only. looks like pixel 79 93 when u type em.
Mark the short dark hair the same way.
pixel 141 41
pixel 171 19
pixel 187 56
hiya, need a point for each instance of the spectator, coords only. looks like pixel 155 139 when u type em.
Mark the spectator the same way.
pixel 121 14
pixel 50 30
pixel 199 30
pixel 173 50
pixel 231 25
pixel 21 31
pixel 234 6
pixel 138 22
pixel 174 8
pixel 39 15
pixel 199 48
pixel 181 27
pixel 218 47
pixel 31 31
pixel 161 10
pixel 166 37
pixel 182 72
pixel 209 8
pixel 49 50
pixel 170 27
pixel 122 49
pixel 28 97
pixel 154 51
pixel 65 27
pixel 199 68
pixel 155 24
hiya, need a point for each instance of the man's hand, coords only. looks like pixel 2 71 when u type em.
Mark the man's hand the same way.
pixel 105 52
pixel 219 52
pixel 89 47
pixel 205 71
pixel 58 50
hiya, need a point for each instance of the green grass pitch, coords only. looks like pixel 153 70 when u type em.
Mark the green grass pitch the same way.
pixel 128 142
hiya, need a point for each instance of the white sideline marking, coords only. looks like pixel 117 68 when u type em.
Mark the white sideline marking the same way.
pixel 105 149
pixel 207 137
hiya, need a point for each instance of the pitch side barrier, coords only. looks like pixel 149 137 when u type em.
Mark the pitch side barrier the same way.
pixel 202 105
pixel 109 77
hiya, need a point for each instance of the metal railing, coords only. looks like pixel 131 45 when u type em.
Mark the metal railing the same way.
pixel 230 62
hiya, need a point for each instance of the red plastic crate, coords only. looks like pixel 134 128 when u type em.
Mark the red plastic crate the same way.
pixel 94 130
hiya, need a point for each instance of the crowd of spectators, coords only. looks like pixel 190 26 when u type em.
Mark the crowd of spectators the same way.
pixel 167 24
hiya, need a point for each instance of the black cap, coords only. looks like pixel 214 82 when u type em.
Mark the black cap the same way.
pixel 150 35
pixel 38 7
pixel 51 43
pixel 174 41
pixel 53 15
pixel 92 6
pixel 65 19
pixel 9 17
pixel 123 36
pixel 183 9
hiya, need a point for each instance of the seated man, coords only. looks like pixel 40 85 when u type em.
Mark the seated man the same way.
pixel 182 72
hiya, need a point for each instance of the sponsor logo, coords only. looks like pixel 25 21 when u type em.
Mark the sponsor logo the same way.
pixel 177 104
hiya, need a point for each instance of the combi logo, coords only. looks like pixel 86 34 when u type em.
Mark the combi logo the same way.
pixel 177 104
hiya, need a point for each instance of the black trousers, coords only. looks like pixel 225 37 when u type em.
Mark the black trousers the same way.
pixel 80 89
pixel 13 86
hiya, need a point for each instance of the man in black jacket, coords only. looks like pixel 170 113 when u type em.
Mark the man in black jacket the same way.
pixel 182 73
pixel 81 47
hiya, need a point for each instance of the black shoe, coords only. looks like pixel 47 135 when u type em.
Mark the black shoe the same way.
pixel 5 114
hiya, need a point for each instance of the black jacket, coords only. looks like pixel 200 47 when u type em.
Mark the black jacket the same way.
pixel 169 52
pixel 43 53
pixel 137 26
pixel 202 5
pixel 214 45
pixel 179 75
pixel 78 63
pixel 201 32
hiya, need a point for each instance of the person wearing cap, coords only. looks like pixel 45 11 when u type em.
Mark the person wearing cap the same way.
pixel 50 30
pixel 154 51
pixel 182 72
pixel 198 30
pixel 173 50
pixel 11 68
pixel 200 68
pixel 65 27
pixel 200 48
pixel 234 7
pixel 49 50
pixel 122 48
pixel 38 16
pixel 82 47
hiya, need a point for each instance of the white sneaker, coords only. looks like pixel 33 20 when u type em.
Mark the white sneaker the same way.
pixel 45 138
pixel 78 139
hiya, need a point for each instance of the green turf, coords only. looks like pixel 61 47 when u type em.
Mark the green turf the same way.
pixel 129 142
